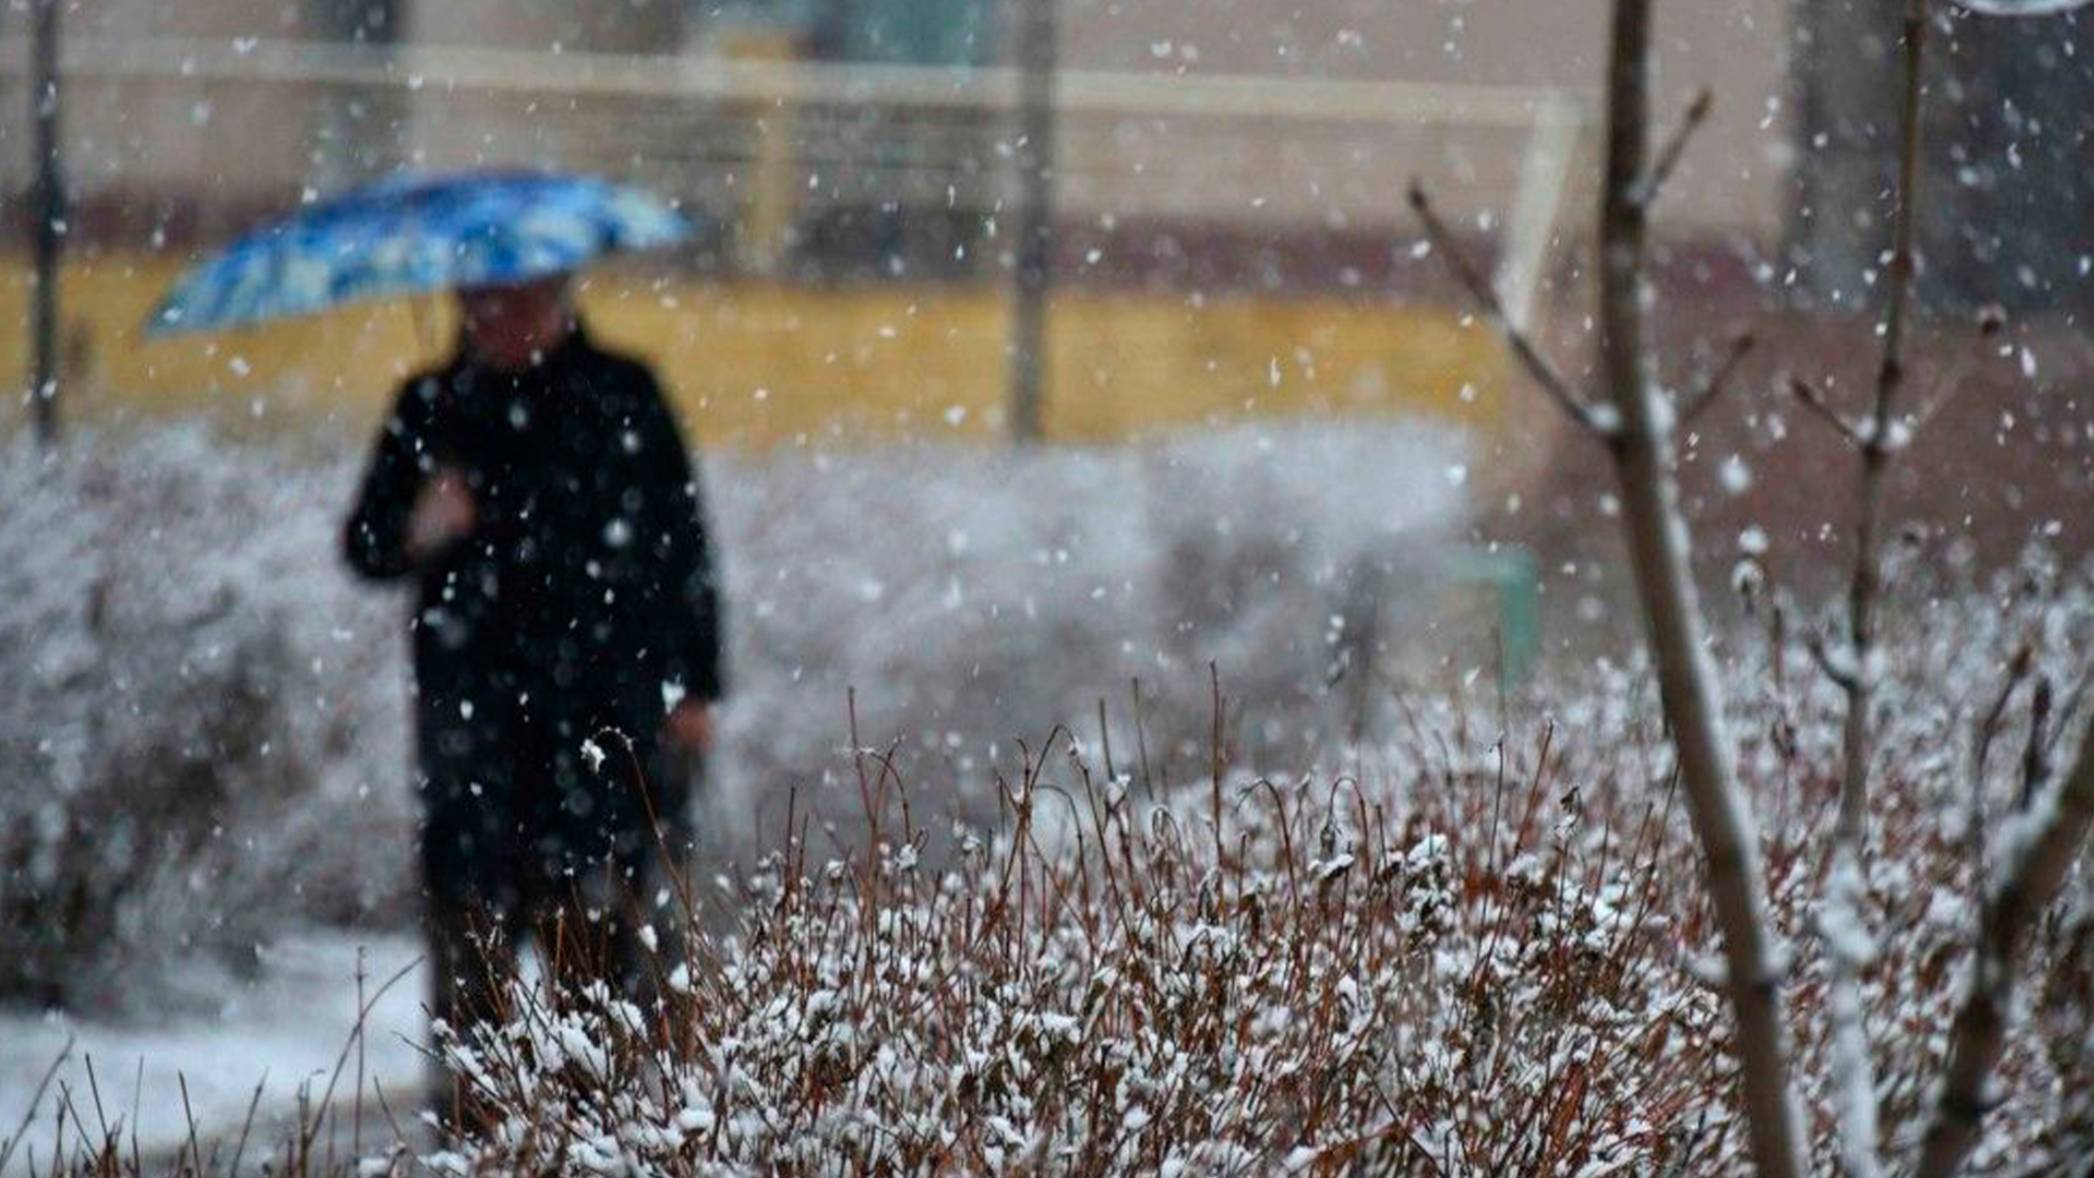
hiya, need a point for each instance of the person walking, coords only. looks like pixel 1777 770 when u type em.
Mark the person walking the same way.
pixel 566 641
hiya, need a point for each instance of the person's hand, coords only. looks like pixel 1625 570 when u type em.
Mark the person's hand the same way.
pixel 689 726
pixel 443 514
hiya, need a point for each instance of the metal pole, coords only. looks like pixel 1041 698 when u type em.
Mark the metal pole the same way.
pixel 49 210
pixel 1033 274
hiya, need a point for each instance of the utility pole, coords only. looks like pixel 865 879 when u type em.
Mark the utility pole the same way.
pixel 1033 274
pixel 48 207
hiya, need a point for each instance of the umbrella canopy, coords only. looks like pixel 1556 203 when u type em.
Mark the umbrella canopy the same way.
pixel 410 235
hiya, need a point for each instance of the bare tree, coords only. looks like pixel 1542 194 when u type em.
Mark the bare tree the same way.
pixel 2052 832
pixel 1877 439
pixel 1635 422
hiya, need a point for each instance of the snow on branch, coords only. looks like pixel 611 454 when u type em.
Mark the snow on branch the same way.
pixel 2037 854
pixel 1637 424
pixel 1848 951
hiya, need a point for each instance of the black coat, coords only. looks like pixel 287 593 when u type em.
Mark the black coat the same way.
pixel 583 598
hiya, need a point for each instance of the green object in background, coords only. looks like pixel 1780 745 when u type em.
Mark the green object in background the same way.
pixel 892 32
pixel 1509 573
pixel 782 13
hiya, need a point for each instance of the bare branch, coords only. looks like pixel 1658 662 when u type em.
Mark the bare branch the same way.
pixel 2035 754
pixel 1647 189
pixel 1944 394
pixel 1522 348
pixel 1814 400
pixel 1647 465
pixel 1890 372
pixel 1713 387
pixel 1991 321
pixel 1981 748
pixel 2039 854
pixel 1848 951
pixel 1847 678
pixel 36 1101
pixel 1878 442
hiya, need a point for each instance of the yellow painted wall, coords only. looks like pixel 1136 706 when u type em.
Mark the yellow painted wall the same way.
pixel 759 365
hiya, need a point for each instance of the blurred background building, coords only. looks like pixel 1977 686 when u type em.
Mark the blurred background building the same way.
pixel 2008 203
pixel 1230 234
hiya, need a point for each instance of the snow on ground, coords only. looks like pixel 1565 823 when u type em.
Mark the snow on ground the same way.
pixel 284 1030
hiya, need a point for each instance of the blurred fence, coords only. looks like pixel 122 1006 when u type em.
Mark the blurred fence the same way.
pixel 1189 188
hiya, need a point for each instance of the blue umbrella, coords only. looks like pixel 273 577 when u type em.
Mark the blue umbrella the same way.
pixel 410 235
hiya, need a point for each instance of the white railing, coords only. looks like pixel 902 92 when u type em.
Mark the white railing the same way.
pixel 1253 150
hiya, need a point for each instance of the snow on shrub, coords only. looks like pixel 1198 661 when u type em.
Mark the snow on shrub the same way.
pixel 1474 945
pixel 187 728
pixel 1346 985
pixel 972 596
pixel 203 721
pixel 1467 956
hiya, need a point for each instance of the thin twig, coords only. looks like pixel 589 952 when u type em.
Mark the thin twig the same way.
pixel 1814 400
pixel 36 1100
pixel 2035 755
pixel 196 1154
pixel 1718 379
pixel 1891 369
pixel 1981 748
pixel 254 1103
pixel 386 1109
pixel 1713 387
pixel 308 1131
pixel 1486 297
pixel 1846 678
pixel 1877 447
pixel 356 1122
pixel 94 1089
pixel 1646 191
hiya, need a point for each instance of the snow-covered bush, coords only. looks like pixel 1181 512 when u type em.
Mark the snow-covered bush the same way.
pixel 1470 980
pixel 203 721
pixel 1472 956
pixel 973 596
pixel 188 735
pixel 1473 945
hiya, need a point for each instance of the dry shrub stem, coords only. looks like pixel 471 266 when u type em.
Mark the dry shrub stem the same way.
pixel 1468 964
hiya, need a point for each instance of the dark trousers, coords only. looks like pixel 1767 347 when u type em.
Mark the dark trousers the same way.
pixel 568 831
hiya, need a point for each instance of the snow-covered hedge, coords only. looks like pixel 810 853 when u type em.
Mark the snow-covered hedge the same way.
pixel 198 718
pixel 1449 954
pixel 203 721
